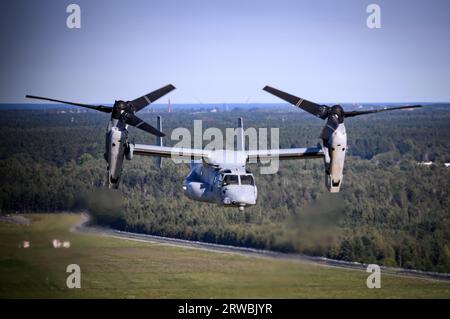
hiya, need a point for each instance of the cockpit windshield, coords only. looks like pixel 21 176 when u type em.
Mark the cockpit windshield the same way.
pixel 230 180
pixel 247 180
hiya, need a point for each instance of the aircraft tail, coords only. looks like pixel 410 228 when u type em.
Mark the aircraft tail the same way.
pixel 240 145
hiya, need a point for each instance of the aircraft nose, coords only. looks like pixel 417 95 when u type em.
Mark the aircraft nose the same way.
pixel 242 194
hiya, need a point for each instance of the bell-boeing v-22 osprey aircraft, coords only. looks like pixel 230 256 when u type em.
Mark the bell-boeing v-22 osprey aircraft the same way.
pixel 221 176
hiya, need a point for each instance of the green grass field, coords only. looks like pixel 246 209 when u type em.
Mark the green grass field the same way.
pixel 116 268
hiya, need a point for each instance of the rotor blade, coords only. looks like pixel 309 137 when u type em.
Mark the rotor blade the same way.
pixel 100 108
pixel 310 107
pixel 328 130
pixel 145 100
pixel 135 121
pixel 355 113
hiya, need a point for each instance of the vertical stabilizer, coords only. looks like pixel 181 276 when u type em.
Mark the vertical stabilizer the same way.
pixel 240 145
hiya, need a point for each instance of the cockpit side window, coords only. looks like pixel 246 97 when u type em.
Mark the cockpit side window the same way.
pixel 230 180
pixel 247 180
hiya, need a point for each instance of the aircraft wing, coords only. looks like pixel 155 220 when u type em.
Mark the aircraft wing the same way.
pixel 285 153
pixel 252 155
pixel 173 152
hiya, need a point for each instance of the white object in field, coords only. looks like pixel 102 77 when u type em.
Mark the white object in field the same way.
pixel 56 243
pixel 66 244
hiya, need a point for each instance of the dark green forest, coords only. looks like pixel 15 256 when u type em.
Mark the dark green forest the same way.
pixel 390 211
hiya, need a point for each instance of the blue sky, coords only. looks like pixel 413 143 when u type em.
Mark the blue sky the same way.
pixel 225 51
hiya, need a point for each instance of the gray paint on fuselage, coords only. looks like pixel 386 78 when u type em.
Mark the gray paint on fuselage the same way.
pixel 205 184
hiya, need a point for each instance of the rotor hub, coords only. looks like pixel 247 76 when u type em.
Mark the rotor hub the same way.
pixel 337 111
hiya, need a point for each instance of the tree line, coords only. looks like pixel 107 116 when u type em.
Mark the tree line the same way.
pixel 390 211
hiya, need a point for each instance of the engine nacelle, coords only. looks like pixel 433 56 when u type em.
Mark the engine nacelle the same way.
pixel 116 144
pixel 335 150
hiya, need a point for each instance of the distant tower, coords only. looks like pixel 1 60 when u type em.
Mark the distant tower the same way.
pixel 169 107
